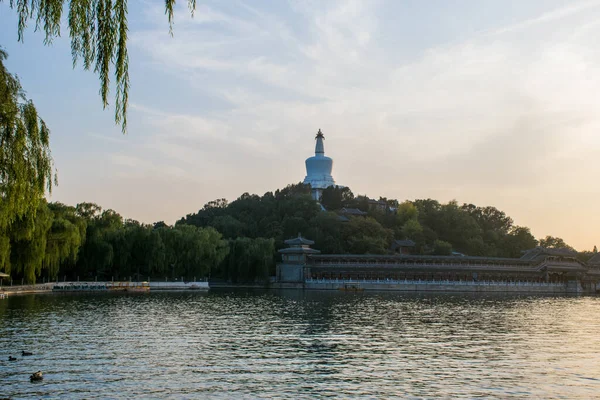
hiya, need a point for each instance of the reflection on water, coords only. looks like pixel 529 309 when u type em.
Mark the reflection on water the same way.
pixel 296 344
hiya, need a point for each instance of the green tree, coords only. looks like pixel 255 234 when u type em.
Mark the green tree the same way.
pixel 455 226
pixel 146 251
pixel 489 219
pixel 406 211
pixel 121 245
pixel 64 239
pixel 554 243
pixel 366 236
pixel 159 224
pixel 248 260
pixel 97 254
pixel 326 231
pixel 28 240
pixel 442 248
pixel 191 251
pixel 413 230
pixel 26 167
pixel 88 210
pixel 361 202
pixel 335 197
pixel 517 241
pixel 229 226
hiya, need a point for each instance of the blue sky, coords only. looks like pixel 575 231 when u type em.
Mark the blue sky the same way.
pixel 491 102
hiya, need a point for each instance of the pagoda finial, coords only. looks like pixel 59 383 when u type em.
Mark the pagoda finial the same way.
pixel 319 148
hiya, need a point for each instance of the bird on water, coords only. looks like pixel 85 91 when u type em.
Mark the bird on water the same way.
pixel 26 353
pixel 11 358
pixel 36 376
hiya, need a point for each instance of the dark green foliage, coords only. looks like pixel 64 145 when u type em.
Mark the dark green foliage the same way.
pixel 160 224
pixel 279 216
pixel 366 236
pixel 191 252
pixel 360 202
pixel 334 198
pixel 442 248
pixel 554 243
pixel 516 242
pixel 28 243
pixel 64 239
pixel 98 31
pixel 326 231
pixel 249 260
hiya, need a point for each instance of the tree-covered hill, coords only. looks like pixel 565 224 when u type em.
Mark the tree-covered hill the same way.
pixel 434 227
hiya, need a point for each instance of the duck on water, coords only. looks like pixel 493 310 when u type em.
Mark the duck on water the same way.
pixel 36 376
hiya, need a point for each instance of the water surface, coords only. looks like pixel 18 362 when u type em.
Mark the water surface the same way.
pixel 294 344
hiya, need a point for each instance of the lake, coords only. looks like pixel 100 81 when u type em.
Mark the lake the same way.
pixel 294 344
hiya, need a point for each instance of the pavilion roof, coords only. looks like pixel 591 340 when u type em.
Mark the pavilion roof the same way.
pixel 538 252
pixel 595 260
pixel 352 211
pixel 299 241
pixel 402 243
pixel 299 250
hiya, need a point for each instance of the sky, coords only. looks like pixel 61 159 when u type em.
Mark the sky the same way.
pixel 490 102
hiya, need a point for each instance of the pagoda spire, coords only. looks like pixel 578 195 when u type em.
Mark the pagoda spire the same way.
pixel 319 147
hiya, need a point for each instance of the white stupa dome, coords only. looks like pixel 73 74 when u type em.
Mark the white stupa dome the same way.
pixel 318 168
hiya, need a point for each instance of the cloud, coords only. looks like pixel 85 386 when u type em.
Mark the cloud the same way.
pixel 503 109
pixel 550 16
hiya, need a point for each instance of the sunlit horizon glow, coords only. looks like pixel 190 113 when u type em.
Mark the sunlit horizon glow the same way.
pixel 491 104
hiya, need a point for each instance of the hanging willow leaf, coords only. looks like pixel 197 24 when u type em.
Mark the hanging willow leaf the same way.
pixel 26 166
pixel 98 31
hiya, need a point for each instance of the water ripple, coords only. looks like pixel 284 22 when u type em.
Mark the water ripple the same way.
pixel 300 345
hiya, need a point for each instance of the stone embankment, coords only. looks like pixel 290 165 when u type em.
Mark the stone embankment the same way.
pixel 24 289
pixel 47 287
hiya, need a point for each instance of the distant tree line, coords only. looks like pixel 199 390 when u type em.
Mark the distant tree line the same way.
pixel 238 241
pixel 87 243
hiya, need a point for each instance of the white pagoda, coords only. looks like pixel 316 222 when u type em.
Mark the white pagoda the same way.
pixel 318 169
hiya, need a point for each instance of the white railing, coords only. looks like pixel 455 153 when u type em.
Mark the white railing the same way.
pixel 435 282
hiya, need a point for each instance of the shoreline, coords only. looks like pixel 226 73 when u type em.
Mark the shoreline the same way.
pixel 81 287
pixel 360 287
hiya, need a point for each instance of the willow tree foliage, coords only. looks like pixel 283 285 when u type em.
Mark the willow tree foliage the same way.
pixel 64 238
pixel 25 160
pixel 26 167
pixel 98 31
pixel 28 244
pixel 192 252
pixel 248 260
